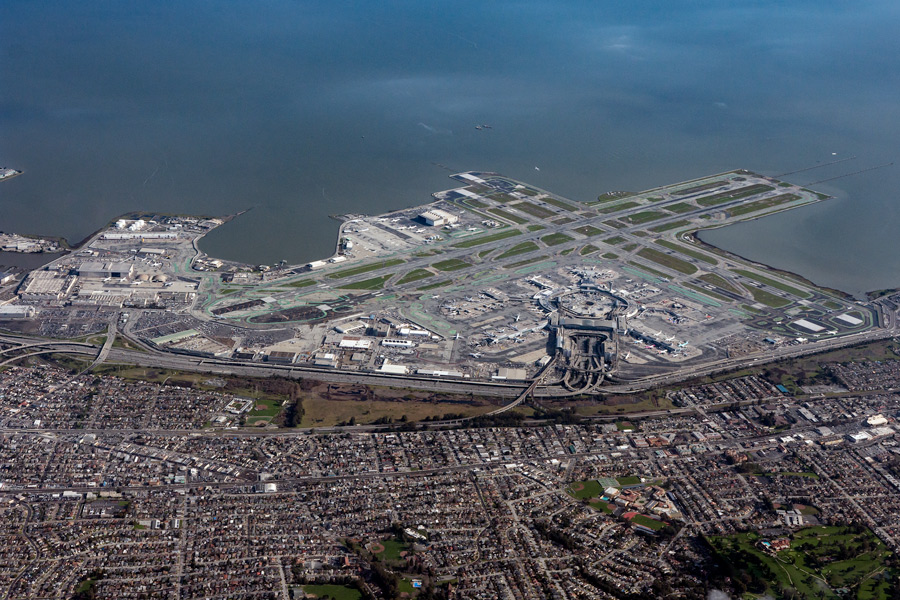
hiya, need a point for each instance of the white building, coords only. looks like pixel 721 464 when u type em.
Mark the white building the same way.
pixel 437 218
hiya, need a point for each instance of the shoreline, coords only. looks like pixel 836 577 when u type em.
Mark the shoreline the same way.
pixel 343 219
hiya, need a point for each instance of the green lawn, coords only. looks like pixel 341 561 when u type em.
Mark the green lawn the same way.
pixel 764 297
pixel 707 292
pixel 432 286
pixel 772 282
pixel 628 480
pixel 688 251
pixel 533 210
pixel 527 261
pixel 487 239
pixel 536 227
pixel 610 255
pixel 556 238
pixel 601 506
pixel 301 283
pixel 451 264
pixel 588 250
pixel 588 230
pixel 392 550
pixel 648 522
pixel 723 197
pixel 338 592
pixel 645 216
pixel 591 489
pixel 614 241
pixel 375 283
pixel 702 187
pixel 561 204
pixel 763 204
pixel 615 224
pixel 820 561
pixel 680 207
pixel 415 275
pixel 608 210
pixel 668 226
pixel 718 281
pixel 519 249
pixel 650 270
pixel 508 216
pixel 474 203
pixel 264 410
pixel 661 258
pixel 366 268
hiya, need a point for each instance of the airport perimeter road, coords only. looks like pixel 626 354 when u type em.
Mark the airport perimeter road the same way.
pixel 483 388
pixel 751 360
pixel 195 364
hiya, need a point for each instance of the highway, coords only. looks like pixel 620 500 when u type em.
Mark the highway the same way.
pixel 167 360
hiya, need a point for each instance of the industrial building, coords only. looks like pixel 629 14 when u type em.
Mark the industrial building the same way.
pixel 437 218
pixel 282 357
pixel 118 270
pixel 16 312
pixel 46 285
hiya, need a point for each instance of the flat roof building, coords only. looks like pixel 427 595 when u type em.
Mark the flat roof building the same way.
pixel 436 217
pixel 46 285
pixel 281 357
pixel 118 270
pixel 16 312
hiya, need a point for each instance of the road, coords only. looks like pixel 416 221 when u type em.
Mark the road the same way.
pixel 167 360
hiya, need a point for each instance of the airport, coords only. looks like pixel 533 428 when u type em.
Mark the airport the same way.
pixel 494 285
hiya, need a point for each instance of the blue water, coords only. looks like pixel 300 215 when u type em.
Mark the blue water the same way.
pixel 305 109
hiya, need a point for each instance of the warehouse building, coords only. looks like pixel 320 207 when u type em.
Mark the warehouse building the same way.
pixel 117 270
pixel 437 218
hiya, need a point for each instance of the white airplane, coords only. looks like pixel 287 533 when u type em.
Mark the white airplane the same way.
pixel 517 318
pixel 476 354
pixel 456 337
